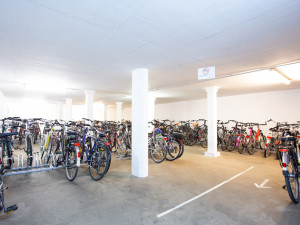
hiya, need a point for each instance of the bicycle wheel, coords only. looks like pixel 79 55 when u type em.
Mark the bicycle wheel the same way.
pixel 71 164
pixel 10 159
pixel 203 140
pixel 53 154
pixel 267 152
pixel 231 144
pixel 121 147
pixel 193 139
pixel 242 144
pixel 100 162
pixel 262 141
pixel 20 138
pixel 251 146
pixel 173 150
pixel 34 136
pixel 181 150
pixel 224 143
pixel 292 180
pixel 29 152
pixel 158 152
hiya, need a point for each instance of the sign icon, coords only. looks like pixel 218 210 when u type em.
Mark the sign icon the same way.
pixel 206 73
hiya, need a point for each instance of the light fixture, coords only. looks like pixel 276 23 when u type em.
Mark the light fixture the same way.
pixel 285 78
pixel 45 89
pixel 293 70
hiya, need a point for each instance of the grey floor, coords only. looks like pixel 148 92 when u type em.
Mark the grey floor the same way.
pixel 119 198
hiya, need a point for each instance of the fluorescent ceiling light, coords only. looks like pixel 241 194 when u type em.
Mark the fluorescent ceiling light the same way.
pixel 45 88
pixel 285 78
pixel 292 70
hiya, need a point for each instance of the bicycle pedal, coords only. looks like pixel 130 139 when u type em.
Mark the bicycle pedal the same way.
pixel 10 209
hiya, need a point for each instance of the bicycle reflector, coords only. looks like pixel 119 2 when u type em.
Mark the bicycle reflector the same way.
pixel 284 164
pixel 107 143
pixel 76 144
pixel 283 150
pixel 78 156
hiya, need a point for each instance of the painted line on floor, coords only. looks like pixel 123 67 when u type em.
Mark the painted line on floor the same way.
pixel 204 193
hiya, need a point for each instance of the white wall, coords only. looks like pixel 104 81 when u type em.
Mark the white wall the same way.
pixel 30 108
pixel 281 106
pixel 111 113
pixel 3 105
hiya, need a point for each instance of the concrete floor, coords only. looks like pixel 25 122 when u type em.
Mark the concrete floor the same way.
pixel 119 198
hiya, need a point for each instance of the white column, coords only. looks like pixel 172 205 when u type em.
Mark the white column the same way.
pixel 89 101
pixel 105 112
pixel 3 106
pixel 60 106
pixel 151 106
pixel 212 123
pixel 139 161
pixel 68 109
pixel 119 111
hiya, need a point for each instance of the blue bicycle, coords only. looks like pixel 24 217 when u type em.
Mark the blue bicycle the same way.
pixel 95 152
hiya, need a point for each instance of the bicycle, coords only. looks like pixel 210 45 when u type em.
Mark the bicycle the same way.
pixel 290 159
pixel 72 155
pixel 7 148
pixel 157 146
pixel 97 155
pixel 12 208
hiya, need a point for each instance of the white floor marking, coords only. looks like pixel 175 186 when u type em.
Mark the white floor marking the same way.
pixel 262 184
pixel 204 193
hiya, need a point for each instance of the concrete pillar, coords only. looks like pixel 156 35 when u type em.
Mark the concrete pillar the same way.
pixel 212 123
pixel 119 111
pixel 89 101
pixel 105 112
pixel 3 106
pixel 68 109
pixel 60 106
pixel 139 161
pixel 151 106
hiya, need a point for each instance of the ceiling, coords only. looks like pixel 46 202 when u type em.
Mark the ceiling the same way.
pixel 95 45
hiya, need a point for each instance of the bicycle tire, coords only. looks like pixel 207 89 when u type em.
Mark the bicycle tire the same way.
pixel 121 147
pixel 181 150
pixel 262 141
pixel 29 152
pixel 158 152
pixel 173 150
pixel 10 156
pixel 251 146
pixel 203 143
pixel 100 163
pixel 267 152
pixel 71 164
pixel 231 144
pixel 193 138
pixel 242 145
pixel 292 182
pixel 34 137
pixel 224 144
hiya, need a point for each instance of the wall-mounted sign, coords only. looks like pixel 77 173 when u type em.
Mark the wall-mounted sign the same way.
pixel 206 73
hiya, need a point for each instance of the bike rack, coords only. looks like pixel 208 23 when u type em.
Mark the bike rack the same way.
pixel 37 167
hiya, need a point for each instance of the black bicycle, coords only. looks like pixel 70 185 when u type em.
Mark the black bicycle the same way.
pixel 289 160
pixel 2 204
